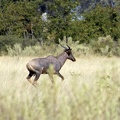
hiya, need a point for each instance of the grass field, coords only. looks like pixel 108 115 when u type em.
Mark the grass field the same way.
pixel 90 91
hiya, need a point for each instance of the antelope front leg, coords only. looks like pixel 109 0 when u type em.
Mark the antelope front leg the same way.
pixel 60 76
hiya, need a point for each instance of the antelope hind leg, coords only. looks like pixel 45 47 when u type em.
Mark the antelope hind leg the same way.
pixel 33 83
pixel 30 80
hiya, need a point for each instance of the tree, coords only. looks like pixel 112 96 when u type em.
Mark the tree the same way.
pixel 99 22
pixel 87 5
pixel 60 16
pixel 15 17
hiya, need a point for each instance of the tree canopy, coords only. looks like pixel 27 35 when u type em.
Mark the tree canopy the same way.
pixel 22 18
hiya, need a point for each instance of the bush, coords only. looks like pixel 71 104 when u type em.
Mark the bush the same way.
pixel 103 46
pixel 8 40
pixel 35 50
pixel 106 46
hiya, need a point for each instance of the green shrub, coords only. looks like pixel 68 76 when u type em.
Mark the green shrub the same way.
pixel 16 50
pixel 102 46
pixel 8 40
pixel 35 50
pixel 106 46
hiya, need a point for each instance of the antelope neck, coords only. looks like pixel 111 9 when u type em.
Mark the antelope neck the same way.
pixel 62 58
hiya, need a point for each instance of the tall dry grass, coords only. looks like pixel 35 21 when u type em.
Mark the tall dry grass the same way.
pixel 90 91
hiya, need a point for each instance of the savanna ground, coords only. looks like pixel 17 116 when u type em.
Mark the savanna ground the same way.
pixel 90 91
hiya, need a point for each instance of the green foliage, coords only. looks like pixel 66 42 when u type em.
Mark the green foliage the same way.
pixel 103 46
pixel 47 48
pixel 16 16
pixel 8 40
pixel 106 46
pixel 59 19
pixel 99 22
pixel 104 21
pixel 21 19
pixel 34 50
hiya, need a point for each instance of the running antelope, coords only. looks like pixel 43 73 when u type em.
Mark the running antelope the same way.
pixel 40 66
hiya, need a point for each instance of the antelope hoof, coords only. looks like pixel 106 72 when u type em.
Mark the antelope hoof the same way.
pixel 30 81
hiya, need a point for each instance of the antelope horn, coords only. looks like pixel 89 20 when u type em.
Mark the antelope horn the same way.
pixel 63 46
pixel 68 47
